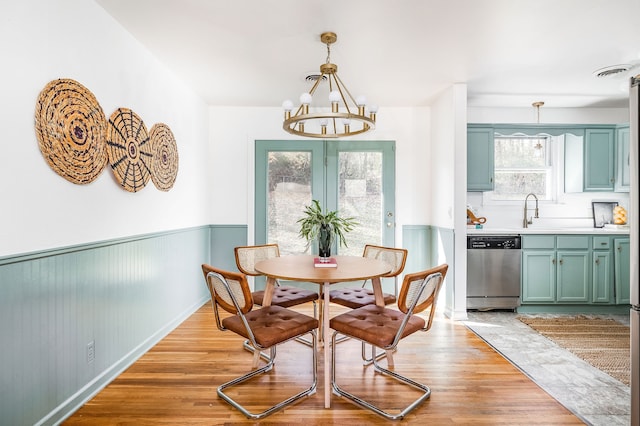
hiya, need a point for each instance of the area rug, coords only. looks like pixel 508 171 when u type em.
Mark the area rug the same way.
pixel 602 342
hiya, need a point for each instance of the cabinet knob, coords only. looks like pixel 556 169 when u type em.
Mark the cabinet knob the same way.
pixel 597 261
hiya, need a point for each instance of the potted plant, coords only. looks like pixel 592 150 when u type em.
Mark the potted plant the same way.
pixel 324 227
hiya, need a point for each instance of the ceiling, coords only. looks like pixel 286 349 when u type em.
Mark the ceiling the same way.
pixel 401 53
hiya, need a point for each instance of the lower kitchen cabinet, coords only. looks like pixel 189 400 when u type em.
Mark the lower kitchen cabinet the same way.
pixel 621 266
pixel 602 270
pixel 573 276
pixel 575 269
pixel 538 276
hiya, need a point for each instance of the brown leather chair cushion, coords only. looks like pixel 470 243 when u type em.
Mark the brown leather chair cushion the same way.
pixel 357 297
pixel 374 324
pixel 286 296
pixel 272 325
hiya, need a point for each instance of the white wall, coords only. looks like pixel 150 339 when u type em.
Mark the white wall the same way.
pixel 440 168
pixel 448 185
pixel 42 40
pixel 548 115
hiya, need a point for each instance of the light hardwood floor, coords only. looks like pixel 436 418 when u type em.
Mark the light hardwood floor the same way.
pixel 175 383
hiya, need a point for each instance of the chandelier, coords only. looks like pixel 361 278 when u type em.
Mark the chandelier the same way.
pixel 345 116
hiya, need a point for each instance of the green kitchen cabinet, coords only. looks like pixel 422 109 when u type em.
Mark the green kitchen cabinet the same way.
pixel 563 269
pixel 538 269
pixel 602 270
pixel 572 268
pixel 599 160
pixel 480 160
pixel 555 269
pixel 623 180
pixel 538 276
pixel 622 273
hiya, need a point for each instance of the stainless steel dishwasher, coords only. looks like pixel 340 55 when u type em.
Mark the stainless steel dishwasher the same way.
pixel 493 272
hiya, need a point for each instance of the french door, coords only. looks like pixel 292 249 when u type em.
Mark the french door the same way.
pixel 356 178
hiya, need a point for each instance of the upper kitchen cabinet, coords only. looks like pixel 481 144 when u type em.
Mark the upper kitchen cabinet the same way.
pixel 599 160
pixel 480 160
pixel 622 159
pixel 595 158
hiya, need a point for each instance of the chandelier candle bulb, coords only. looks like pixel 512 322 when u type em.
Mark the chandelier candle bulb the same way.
pixel 287 106
pixel 373 109
pixel 323 126
pixel 361 102
pixel 334 96
pixel 305 98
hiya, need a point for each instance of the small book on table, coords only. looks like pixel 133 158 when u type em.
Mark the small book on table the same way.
pixel 325 262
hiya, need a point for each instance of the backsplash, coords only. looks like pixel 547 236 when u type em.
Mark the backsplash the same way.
pixel 571 211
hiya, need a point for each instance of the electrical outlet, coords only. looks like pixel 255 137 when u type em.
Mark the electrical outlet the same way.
pixel 91 351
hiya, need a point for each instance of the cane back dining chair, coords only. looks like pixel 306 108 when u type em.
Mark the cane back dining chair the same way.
pixel 265 328
pixel 360 296
pixel 356 297
pixel 383 328
pixel 285 296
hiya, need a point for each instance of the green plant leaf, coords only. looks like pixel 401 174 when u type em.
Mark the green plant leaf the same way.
pixel 313 219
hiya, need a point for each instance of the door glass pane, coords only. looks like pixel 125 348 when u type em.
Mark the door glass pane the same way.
pixel 289 191
pixel 360 196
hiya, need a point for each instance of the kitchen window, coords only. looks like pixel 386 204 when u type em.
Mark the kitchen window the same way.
pixel 522 165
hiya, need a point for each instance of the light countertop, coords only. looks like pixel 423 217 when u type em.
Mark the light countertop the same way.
pixel 607 230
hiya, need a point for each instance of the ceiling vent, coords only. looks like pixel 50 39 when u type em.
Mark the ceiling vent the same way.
pixel 611 70
pixel 312 77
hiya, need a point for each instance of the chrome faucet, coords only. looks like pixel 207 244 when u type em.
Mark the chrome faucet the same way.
pixel 526 222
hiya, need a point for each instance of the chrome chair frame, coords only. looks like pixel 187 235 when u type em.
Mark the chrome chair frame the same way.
pixel 419 302
pixel 399 261
pixel 240 312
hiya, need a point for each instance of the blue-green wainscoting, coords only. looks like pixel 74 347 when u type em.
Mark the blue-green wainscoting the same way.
pixel 73 318
pixel 430 246
pixel 417 240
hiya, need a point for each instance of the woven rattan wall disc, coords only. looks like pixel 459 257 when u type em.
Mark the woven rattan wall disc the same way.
pixel 164 164
pixel 129 149
pixel 71 129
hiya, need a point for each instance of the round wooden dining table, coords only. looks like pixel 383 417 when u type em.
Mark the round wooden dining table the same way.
pixel 302 268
